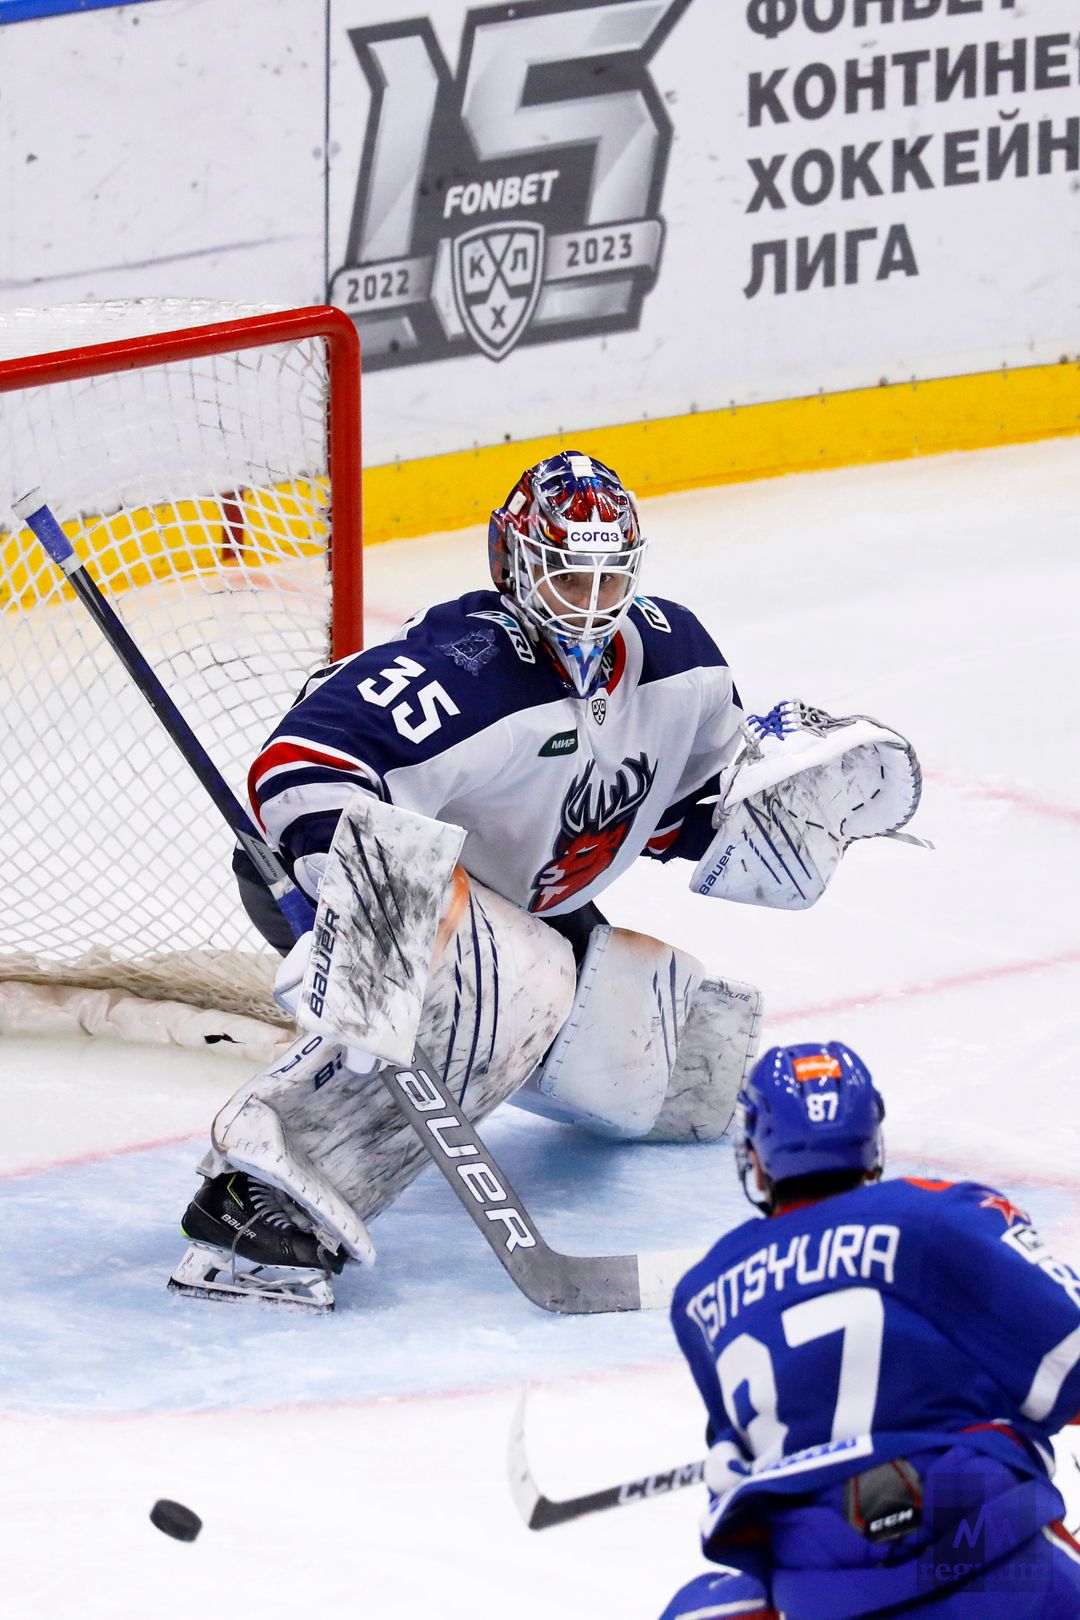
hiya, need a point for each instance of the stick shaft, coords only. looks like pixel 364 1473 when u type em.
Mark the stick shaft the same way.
pixel 541 1512
pixel 567 1283
pixel 548 1512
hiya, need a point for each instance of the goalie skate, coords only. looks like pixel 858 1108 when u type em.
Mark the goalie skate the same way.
pixel 249 1241
pixel 209 1272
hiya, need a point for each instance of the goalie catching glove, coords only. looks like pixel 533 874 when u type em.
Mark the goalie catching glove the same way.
pixel 803 787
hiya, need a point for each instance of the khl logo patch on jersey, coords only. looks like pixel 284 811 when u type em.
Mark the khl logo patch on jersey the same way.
pixel 595 819
pixel 599 710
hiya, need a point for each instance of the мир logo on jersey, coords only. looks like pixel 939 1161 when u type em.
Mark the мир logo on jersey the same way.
pixel 516 200
pixel 595 819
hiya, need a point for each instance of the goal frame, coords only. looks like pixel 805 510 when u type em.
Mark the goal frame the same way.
pixel 345 548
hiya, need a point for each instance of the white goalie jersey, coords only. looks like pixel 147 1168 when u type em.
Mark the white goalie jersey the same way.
pixel 466 719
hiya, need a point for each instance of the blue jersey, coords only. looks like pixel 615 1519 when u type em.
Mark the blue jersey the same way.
pixel 468 720
pixel 901 1319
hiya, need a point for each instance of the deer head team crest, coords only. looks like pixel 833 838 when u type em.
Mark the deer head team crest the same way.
pixel 595 819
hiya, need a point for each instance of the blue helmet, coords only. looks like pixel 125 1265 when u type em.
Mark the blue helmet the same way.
pixel 807 1109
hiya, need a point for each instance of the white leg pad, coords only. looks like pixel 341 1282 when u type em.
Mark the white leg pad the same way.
pixel 249 1134
pixel 494 1002
pixel 382 895
pixel 652 1048
pixel 255 1141
pixel 717 1048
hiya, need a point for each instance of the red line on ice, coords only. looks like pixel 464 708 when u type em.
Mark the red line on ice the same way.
pixel 862 998
pixel 1006 795
pixel 99 1155
pixel 929 987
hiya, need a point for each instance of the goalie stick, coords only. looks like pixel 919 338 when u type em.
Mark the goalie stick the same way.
pixel 293 904
pixel 573 1284
pixel 554 1281
pixel 540 1512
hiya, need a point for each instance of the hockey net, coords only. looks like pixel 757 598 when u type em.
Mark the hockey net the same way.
pixel 204 461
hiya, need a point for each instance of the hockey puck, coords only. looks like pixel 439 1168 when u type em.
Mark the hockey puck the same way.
pixel 176 1520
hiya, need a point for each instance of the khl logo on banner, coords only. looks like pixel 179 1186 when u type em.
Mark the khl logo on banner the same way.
pixel 518 201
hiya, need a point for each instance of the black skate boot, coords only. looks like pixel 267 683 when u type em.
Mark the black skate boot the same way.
pixel 246 1239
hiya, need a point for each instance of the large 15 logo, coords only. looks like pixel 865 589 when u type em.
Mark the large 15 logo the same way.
pixel 516 201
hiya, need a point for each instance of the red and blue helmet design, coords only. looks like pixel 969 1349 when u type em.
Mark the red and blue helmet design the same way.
pixel 809 1109
pixel 566 548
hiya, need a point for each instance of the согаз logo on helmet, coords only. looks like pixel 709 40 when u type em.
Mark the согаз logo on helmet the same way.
pixel 513 202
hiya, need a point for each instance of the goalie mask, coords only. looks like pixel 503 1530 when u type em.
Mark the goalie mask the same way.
pixel 567 549
pixel 809 1109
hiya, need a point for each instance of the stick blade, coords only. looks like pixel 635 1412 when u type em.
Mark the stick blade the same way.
pixel 523 1487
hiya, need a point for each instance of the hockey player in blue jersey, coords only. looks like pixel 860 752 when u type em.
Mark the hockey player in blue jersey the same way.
pixel 883 1364
pixel 567 725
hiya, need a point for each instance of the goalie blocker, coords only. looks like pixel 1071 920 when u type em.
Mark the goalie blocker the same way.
pixel 409 953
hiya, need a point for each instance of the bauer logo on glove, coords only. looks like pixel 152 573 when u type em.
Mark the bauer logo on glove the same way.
pixel 803 787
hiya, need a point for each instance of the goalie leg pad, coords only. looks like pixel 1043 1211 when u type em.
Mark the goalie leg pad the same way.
pixel 386 886
pixel 331 1136
pixel 717 1048
pixel 250 1134
pixel 652 1049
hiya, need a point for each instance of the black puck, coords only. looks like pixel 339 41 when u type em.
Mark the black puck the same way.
pixel 176 1520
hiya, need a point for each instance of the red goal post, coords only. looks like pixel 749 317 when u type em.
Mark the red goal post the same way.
pixel 205 461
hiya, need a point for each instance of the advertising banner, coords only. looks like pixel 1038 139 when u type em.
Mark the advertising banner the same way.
pixel 560 215
pixel 511 198
pixel 568 213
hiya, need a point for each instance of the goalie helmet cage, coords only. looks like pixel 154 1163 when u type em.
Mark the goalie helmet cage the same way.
pixel 204 459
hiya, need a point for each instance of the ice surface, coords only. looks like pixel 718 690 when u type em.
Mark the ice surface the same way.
pixel 354 1464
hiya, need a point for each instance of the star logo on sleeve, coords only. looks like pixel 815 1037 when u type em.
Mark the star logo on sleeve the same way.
pixel 1005 1208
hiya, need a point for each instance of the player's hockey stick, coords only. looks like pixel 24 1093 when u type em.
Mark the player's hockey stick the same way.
pixel 540 1512
pixel 557 1282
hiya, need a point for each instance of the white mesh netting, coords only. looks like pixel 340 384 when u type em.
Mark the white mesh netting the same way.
pixel 198 492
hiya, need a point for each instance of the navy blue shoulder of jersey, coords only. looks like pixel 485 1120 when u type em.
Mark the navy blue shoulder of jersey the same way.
pixel 458 668
pixel 673 639
pixel 477 648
